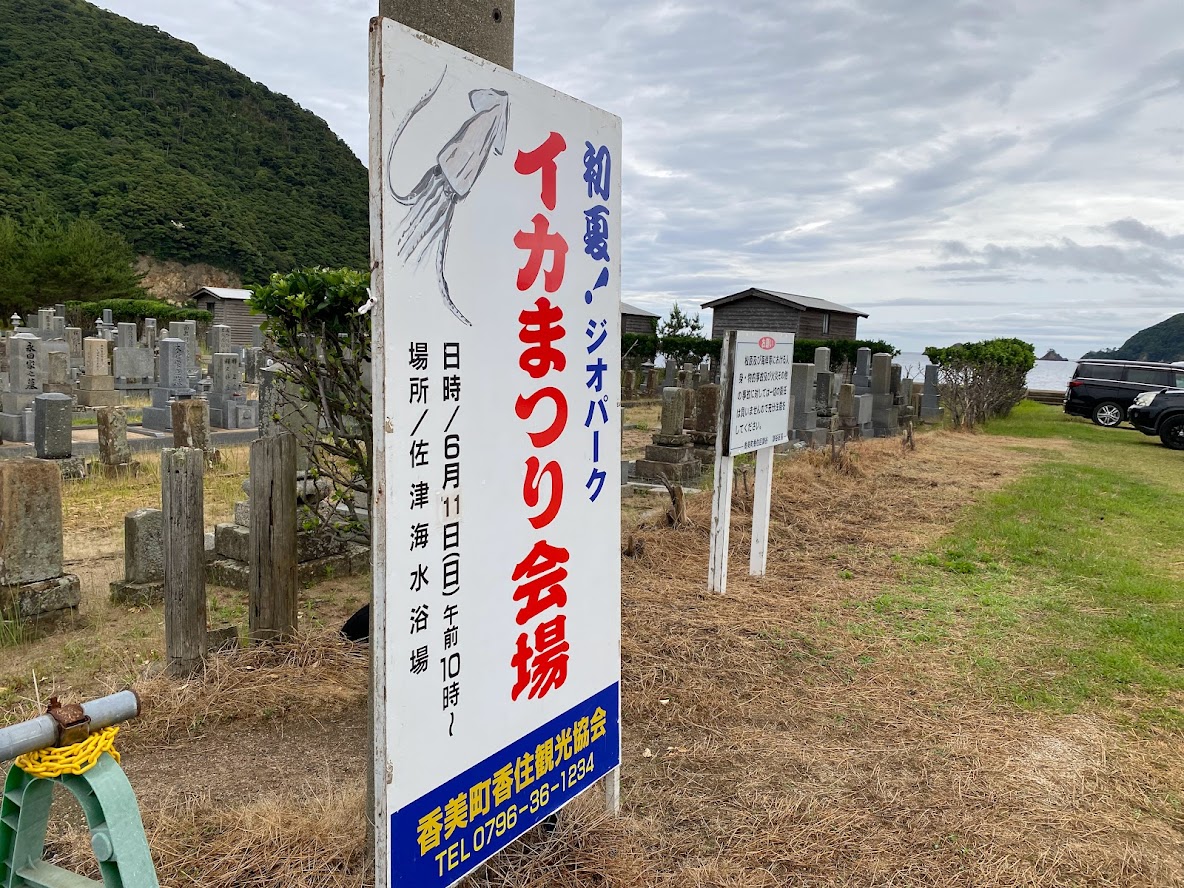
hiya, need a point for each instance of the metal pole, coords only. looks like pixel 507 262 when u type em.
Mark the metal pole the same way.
pixel 42 732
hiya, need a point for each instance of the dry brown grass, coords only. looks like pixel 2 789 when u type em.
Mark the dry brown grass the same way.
pixel 318 673
pixel 766 743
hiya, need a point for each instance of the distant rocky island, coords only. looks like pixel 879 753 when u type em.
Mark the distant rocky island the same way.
pixel 1051 355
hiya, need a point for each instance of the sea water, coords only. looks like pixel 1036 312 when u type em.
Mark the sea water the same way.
pixel 1046 376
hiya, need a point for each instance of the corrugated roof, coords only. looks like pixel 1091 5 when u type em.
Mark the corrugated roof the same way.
pixel 628 309
pixel 224 293
pixel 802 302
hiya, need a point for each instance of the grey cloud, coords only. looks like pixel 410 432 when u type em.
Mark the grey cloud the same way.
pixel 1134 230
pixel 1103 259
pixel 828 148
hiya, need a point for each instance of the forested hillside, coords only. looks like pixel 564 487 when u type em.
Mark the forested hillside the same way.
pixel 182 155
pixel 1162 342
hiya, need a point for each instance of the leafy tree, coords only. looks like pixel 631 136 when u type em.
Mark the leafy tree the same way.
pixel 980 381
pixel 45 259
pixel 680 338
pixel 315 332
pixel 679 324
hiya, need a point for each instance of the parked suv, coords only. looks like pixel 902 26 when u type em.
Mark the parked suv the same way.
pixel 1160 413
pixel 1104 390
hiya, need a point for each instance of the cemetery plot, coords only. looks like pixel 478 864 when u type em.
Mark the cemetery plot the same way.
pixel 820 725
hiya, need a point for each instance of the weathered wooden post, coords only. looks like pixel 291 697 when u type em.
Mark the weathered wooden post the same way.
pixel 272 586
pixel 183 541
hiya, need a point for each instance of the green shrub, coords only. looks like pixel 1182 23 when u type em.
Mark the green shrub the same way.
pixel 980 381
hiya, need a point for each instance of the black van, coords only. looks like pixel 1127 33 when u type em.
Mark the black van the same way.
pixel 1104 390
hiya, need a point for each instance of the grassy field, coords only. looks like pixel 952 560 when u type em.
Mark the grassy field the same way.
pixel 964 666
pixel 1064 589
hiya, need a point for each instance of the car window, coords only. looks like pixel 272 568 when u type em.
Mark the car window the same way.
pixel 1179 378
pixel 1147 376
pixel 1100 371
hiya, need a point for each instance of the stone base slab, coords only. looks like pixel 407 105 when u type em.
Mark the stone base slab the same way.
pixel 137 594
pixel 73 468
pixel 233 541
pixel 684 473
pixel 99 398
pixel 237 574
pixel 96 384
pixel 659 453
pixel 159 418
pixel 12 426
pixel 47 598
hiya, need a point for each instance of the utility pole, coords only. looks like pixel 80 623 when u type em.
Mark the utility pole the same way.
pixel 484 28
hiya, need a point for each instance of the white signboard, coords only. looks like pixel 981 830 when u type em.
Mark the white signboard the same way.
pixel 759 401
pixel 496 217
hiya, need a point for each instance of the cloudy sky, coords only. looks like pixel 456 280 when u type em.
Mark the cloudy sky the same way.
pixel 957 169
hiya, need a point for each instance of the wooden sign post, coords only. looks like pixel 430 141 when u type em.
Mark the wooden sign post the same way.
pixel 753 418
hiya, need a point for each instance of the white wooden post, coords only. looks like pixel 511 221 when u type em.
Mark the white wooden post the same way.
pixel 762 495
pixel 721 523
pixel 721 505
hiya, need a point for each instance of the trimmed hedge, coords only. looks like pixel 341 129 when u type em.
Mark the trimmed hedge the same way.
pixel 840 350
pixel 127 311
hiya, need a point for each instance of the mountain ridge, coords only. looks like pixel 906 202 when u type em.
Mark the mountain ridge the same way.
pixel 1159 342
pixel 188 159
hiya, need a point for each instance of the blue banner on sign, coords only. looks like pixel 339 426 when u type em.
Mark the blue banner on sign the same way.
pixel 447 833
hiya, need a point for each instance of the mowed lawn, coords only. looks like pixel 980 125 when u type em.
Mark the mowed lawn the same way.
pixel 1065 589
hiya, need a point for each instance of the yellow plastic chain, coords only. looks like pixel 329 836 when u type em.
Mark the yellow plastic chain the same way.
pixel 77 759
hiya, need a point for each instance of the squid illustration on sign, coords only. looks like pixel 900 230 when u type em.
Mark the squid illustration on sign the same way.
pixel 423 232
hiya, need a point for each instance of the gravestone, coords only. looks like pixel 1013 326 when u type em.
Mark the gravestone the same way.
pixel 847 412
pixel 97 387
pixel 885 415
pixel 108 318
pixel 252 363
pixel 57 327
pixel 114 451
pixel 863 371
pixel 226 390
pixel 53 425
pixel 822 359
pixel 172 384
pixel 143 559
pixel 31 580
pixel 149 338
pixel 133 366
pixel 706 423
pixel 191 427
pixel 59 309
pixel 930 402
pixel 669 456
pixel 45 319
pixel 256 336
pixel 824 382
pixel 125 336
pixel 220 340
pixel 74 342
pixel 186 331
pixel 278 412
pixel 804 422
pixel 26 356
